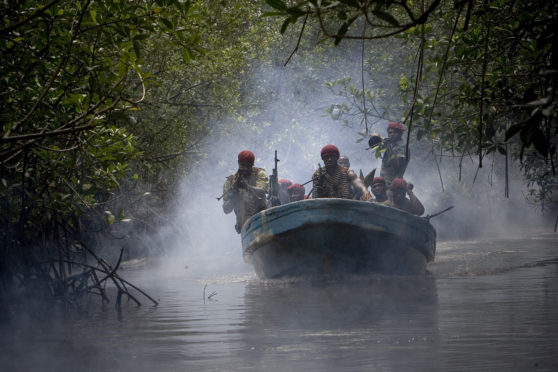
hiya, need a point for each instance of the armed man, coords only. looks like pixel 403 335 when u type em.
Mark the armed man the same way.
pixel 245 191
pixel 334 181
pixel 394 159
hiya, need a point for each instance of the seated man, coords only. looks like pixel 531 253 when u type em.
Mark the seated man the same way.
pixel 356 184
pixel 245 191
pixel 399 190
pixel 334 181
pixel 379 189
pixel 283 186
pixel 296 192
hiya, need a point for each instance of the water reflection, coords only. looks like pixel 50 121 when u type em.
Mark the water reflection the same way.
pixel 378 322
pixel 488 305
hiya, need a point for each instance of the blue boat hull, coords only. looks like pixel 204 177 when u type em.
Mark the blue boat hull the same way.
pixel 327 236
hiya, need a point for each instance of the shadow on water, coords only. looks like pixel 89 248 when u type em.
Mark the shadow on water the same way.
pixel 487 305
pixel 360 323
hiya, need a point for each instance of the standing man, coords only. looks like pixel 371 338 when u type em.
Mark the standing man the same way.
pixel 334 181
pixel 244 191
pixel 399 189
pixel 394 161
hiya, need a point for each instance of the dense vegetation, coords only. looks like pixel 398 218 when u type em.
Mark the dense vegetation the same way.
pixel 104 105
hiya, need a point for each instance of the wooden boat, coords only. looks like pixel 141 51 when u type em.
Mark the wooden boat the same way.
pixel 327 236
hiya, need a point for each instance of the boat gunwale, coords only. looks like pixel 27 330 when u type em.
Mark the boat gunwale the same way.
pixel 388 220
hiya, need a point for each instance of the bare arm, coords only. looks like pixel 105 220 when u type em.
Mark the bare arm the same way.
pixel 416 206
pixel 359 186
pixel 230 194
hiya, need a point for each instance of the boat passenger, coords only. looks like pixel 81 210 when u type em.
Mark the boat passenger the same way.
pixel 394 159
pixel 334 181
pixel 399 189
pixel 379 189
pixel 356 191
pixel 245 191
pixel 296 192
pixel 283 194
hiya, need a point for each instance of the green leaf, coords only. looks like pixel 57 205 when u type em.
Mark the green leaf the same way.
pixel 353 3
pixel 513 130
pixel 295 11
pixel 386 17
pixel 167 23
pixel 285 25
pixel 540 142
pixel 277 4
pixel 93 14
pixel 343 30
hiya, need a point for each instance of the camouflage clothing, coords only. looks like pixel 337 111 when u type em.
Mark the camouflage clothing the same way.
pixel 336 185
pixel 390 171
pixel 245 201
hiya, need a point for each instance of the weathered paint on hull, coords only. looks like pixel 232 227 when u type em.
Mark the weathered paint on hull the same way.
pixel 325 236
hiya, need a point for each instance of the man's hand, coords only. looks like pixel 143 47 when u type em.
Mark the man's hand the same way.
pixel 410 187
pixel 238 182
pixel 366 196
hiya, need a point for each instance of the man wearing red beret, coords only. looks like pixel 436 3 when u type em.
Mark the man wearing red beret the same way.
pixel 244 192
pixel 296 192
pixel 284 185
pixel 394 160
pixel 335 181
pixel 399 189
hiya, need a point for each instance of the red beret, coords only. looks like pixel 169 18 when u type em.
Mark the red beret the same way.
pixel 378 180
pixel 329 150
pixel 399 183
pixel 395 125
pixel 284 181
pixel 246 156
pixel 295 186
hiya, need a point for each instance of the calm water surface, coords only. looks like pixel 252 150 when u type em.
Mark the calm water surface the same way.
pixel 487 305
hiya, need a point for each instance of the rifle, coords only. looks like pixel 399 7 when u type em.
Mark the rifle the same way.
pixel 274 185
pixel 319 180
pixel 238 182
pixel 428 217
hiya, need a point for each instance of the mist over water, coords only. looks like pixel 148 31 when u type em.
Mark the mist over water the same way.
pixel 299 132
pixel 488 303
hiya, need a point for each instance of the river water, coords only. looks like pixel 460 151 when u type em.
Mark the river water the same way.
pixel 487 305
